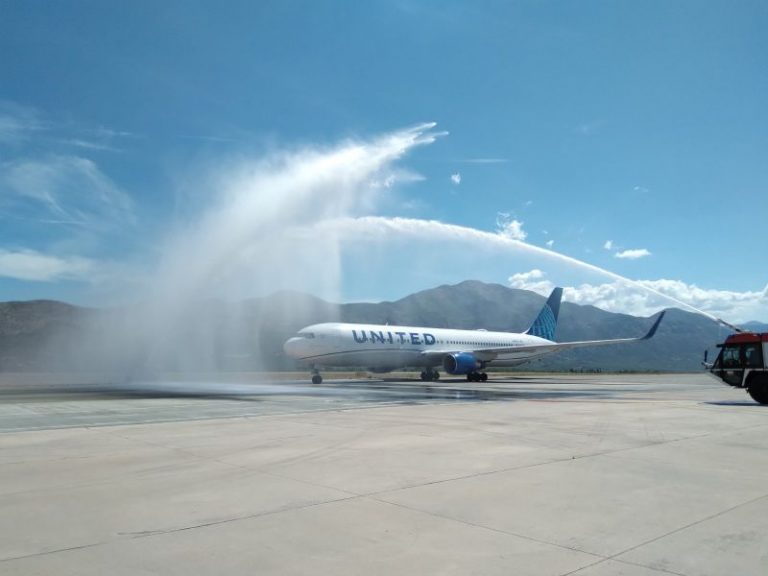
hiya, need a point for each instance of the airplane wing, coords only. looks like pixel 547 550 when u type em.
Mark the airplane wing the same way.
pixel 555 346
pixel 489 354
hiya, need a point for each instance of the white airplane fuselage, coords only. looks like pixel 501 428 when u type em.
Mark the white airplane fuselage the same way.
pixel 382 348
pixel 385 347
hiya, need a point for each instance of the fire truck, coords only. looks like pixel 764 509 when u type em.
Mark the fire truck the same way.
pixel 741 363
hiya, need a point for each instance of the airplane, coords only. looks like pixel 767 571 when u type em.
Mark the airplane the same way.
pixel 383 348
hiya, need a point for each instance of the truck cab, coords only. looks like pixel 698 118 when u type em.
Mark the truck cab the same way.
pixel 741 363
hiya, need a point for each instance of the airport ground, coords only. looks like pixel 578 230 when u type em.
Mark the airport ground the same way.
pixel 594 475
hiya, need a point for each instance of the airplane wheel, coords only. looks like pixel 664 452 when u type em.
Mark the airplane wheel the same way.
pixel 317 379
pixel 469 377
pixel 423 376
pixel 484 377
pixel 435 375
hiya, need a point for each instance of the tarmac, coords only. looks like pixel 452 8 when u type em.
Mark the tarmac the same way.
pixel 594 475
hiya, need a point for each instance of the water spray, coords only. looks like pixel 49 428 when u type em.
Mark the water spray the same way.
pixel 436 229
pixel 273 223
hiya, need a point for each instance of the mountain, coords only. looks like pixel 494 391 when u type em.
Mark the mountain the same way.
pixel 25 328
pixel 215 335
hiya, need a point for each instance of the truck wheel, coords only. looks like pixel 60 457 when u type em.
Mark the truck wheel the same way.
pixel 757 387
pixel 759 393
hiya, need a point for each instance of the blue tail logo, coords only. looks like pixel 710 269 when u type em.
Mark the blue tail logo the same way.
pixel 546 322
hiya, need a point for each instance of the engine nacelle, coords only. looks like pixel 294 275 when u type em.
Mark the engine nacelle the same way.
pixel 460 363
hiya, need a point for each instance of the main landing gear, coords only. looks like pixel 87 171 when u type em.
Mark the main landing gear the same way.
pixel 477 377
pixel 429 375
pixel 316 378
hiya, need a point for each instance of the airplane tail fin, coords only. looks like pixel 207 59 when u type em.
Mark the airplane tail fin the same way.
pixel 546 322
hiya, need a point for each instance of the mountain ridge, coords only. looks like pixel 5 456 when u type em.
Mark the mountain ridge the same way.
pixel 215 334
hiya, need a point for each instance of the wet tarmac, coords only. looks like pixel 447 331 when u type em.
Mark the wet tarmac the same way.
pixel 43 403
pixel 594 475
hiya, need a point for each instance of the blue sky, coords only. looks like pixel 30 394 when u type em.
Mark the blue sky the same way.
pixel 606 129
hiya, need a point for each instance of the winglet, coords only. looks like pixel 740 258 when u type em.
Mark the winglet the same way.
pixel 546 322
pixel 652 331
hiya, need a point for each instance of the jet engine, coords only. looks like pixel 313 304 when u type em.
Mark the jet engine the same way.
pixel 460 363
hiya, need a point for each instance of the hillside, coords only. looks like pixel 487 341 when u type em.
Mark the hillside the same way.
pixel 248 335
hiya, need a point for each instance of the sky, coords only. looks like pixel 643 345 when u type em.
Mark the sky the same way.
pixel 628 135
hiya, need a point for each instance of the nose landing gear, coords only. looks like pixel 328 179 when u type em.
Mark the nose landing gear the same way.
pixel 477 377
pixel 316 378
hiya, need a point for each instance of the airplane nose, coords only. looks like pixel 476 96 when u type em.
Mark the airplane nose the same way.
pixel 291 347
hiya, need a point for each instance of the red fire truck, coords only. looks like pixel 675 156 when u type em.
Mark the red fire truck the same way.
pixel 741 363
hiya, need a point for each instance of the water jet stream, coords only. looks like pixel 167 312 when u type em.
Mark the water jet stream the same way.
pixel 281 222
pixel 418 228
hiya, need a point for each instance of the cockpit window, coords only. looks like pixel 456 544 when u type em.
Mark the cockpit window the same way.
pixel 306 334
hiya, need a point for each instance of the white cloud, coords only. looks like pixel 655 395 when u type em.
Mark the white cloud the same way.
pixel 33 265
pixel 87 145
pixel 647 297
pixel 632 254
pixel 508 227
pixel 523 277
pixel 67 189
pixel 456 178
pixel 17 122
pixel 608 245
pixel 616 297
pixel 20 125
pixel 531 280
pixel 104 132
